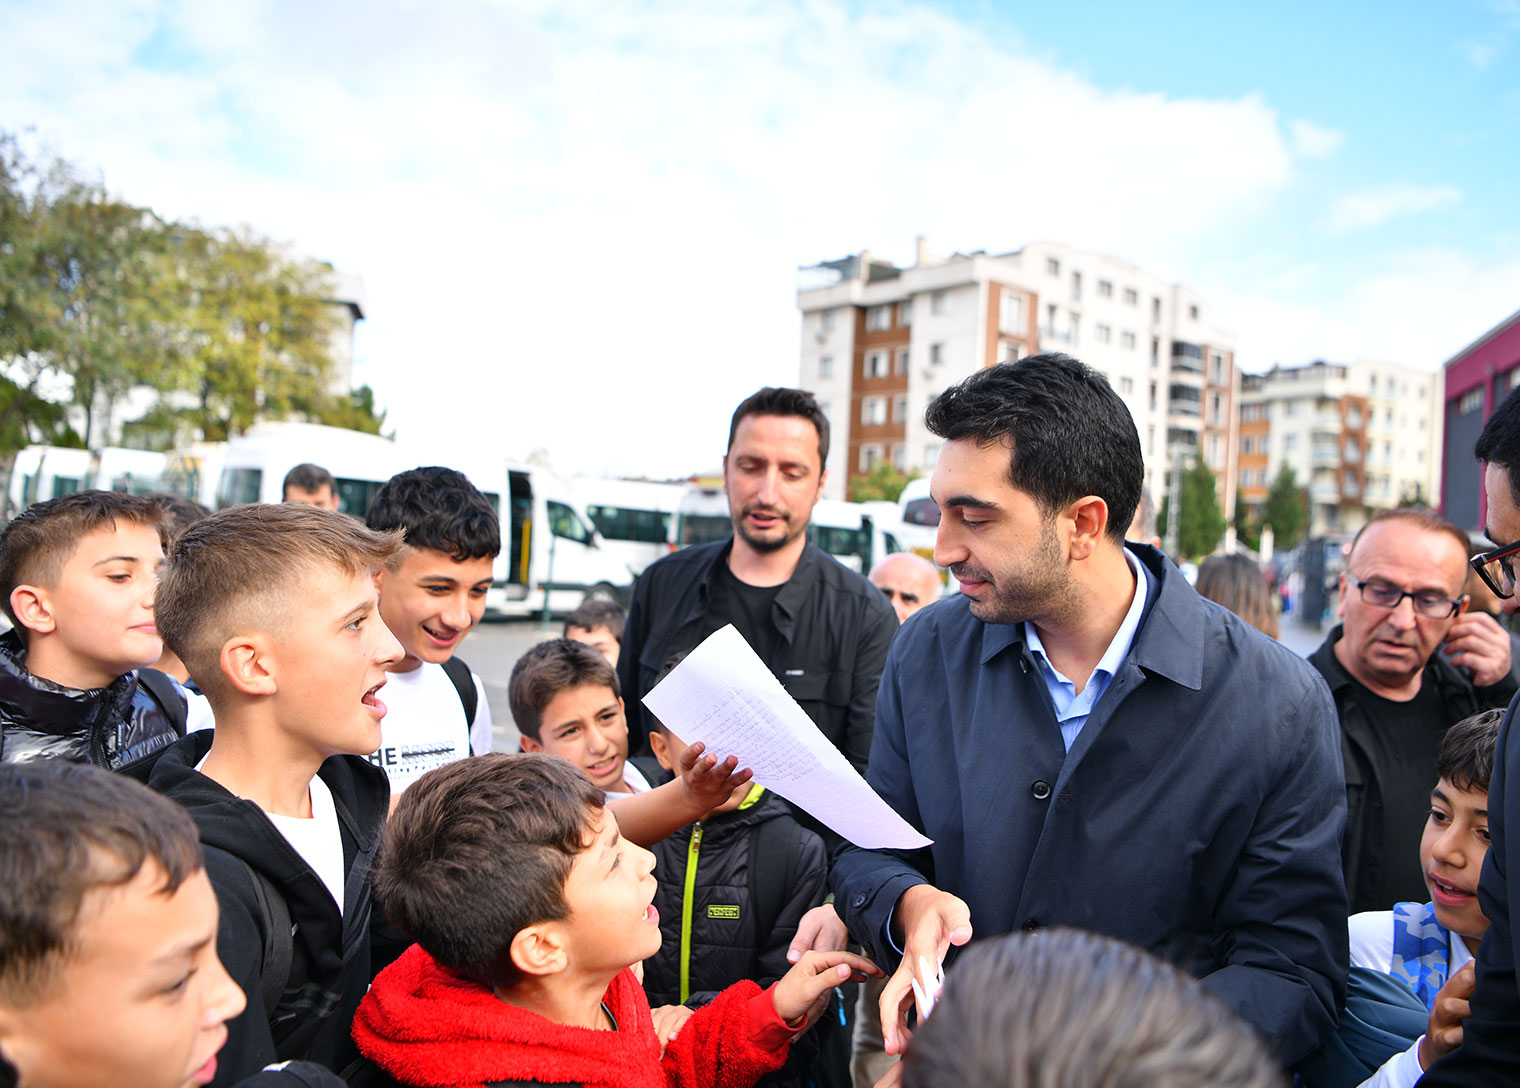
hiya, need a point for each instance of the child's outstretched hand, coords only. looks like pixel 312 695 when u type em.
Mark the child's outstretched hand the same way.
pixel 707 782
pixel 803 992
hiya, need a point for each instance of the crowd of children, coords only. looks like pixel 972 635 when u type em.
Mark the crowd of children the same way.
pixel 252 832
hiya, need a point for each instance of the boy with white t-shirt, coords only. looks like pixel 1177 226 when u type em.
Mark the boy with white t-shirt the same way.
pixel 431 595
pixel 1430 946
pixel 274 612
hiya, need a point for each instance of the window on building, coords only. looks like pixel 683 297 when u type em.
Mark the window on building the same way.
pixel 1127 340
pixel 1193 313
pixel 1290 442
pixel 1216 411
pixel 931 454
pixel 1216 363
pixel 1011 313
pixel 1010 351
pixel 1131 297
pixel 900 457
pixel 939 303
pixel 902 362
pixel 900 408
pixel 873 411
pixel 1126 385
pixel 1050 317
pixel 826 321
pixel 1472 401
pixel 877 364
pixel 825 367
pixel 936 354
pixel 1102 333
pixel 905 313
pixel 878 318
pixel 1264 443
pixel 1289 407
pixel 1150 428
pixel 1052 266
pixel 1155 310
pixel 1213 449
pixel 1153 396
pixel 1076 285
pixel 1245 444
pixel 1155 351
pixel 870 453
pixel 1105 289
pixel 1076 327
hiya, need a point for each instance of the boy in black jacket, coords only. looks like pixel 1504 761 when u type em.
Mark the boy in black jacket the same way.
pixel 732 889
pixel 274 612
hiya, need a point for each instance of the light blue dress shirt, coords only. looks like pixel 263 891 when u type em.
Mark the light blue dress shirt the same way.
pixel 1072 709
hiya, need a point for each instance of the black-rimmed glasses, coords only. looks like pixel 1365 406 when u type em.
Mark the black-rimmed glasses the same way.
pixel 1429 603
pixel 1497 568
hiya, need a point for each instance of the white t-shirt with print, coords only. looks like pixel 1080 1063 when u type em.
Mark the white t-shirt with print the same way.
pixel 424 725
pixel 317 839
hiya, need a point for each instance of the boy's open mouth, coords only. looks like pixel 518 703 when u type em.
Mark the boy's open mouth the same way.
pixel 441 638
pixel 1449 894
pixel 372 700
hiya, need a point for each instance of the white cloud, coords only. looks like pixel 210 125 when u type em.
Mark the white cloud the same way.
pixel 1314 141
pixel 578 223
pixel 1374 207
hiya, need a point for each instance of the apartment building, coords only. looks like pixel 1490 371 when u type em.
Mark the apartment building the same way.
pixel 1360 437
pixel 879 342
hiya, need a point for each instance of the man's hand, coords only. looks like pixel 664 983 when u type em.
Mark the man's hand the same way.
pixel 1480 645
pixel 707 782
pixel 931 922
pixel 1443 1033
pixel 668 1020
pixel 803 992
pixel 820 930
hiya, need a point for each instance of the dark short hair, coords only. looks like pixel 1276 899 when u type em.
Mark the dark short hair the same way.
pixel 308 477
pixel 549 668
pixel 1499 444
pixel 1421 517
pixel 1069 433
pixel 40 540
pixel 66 829
pixel 242 568
pixel 1465 757
pixel 596 613
pixel 780 401
pixel 179 513
pixel 439 509
pixel 478 850
pixel 1065 1007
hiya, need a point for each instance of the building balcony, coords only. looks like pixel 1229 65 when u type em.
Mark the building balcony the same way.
pixel 1326 494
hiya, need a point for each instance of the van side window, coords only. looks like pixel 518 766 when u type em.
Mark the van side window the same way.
pixel 563 522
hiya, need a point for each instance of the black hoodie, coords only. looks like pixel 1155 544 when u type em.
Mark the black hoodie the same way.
pixel 330 957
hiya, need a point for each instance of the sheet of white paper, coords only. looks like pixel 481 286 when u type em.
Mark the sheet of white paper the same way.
pixel 723 695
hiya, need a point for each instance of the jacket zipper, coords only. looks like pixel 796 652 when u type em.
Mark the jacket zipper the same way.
pixel 689 893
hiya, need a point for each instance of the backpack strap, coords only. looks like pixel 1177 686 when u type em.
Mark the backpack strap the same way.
pixel 166 694
pixel 279 942
pixel 773 847
pixel 459 675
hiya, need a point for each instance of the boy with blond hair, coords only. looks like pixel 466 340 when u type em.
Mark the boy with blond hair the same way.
pixel 77 576
pixel 274 612
pixel 547 992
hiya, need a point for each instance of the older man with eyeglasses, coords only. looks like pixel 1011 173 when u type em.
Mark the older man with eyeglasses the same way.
pixel 1407 662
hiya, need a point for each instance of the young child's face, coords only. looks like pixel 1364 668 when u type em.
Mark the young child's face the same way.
pixel 140 997
pixel 669 748
pixel 431 601
pixel 1451 856
pixel 331 663
pixel 612 922
pixel 586 725
pixel 102 607
pixel 599 638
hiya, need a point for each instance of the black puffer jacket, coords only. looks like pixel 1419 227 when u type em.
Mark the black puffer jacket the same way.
pixel 112 727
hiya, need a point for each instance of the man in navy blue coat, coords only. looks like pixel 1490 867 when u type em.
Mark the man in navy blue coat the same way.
pixel 1490 1050
pixel 1090 743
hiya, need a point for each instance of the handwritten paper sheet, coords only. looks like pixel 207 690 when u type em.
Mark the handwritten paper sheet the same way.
pixel 723 695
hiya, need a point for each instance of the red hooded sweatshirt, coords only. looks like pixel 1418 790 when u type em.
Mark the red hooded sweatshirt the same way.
pixel 428 1027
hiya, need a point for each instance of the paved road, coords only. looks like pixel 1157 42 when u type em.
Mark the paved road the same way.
pixel 492 649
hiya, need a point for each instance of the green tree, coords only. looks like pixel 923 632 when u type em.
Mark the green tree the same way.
pixel 355 412
pixel 883 483
pixel 1246 532
pixel 1284 508
pixel 1201 523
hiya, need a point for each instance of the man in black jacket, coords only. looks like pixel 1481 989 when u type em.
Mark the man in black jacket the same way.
pixel 1407 662
pixel 820 627
pixel 1490 1050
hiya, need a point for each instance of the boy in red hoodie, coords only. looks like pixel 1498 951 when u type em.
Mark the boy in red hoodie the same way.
pixel 531 913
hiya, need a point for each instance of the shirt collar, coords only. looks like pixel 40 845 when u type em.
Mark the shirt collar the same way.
pixel 1124 637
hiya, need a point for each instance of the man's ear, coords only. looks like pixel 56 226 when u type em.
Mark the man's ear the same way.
pixel 33 607
pixel 1463 602
pixel 529 744
pixel 1089 520
pixel 1340 609
pixel 823 482
pixel 659 744
pixel 249 664
pixel 539 950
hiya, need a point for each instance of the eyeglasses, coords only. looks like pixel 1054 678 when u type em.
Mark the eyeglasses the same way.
pixel 1497 568
pixel 1427 602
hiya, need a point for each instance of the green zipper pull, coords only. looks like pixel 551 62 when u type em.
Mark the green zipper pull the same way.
pixel 687 895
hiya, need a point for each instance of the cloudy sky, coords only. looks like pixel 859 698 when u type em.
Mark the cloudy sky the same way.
pixel 578 225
